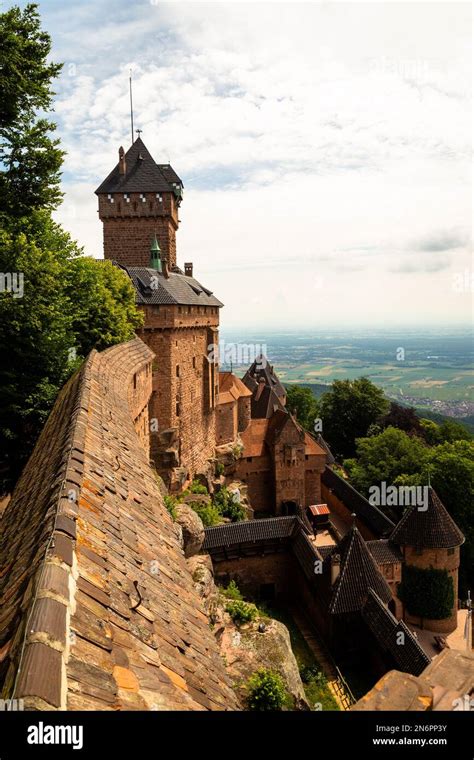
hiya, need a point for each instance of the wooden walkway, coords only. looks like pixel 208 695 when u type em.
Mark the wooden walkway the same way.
pixel 337 686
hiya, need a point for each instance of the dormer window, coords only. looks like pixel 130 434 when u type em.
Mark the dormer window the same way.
pixel 160 199
pixel 110 198
pixel 142 198
pixel 126 197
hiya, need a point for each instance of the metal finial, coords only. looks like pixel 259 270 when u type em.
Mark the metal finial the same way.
pixel 131 103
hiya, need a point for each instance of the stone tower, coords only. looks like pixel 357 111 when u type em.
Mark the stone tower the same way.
pixel 138 205
pixel 429 538
pixel 139 199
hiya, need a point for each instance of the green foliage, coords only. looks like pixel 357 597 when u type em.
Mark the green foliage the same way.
pixel 427 593
pixel 240 611
pixel 385 456
pixel 347 412
pixel 30 161
pixel 447 432
pixel 232 592
pixel 102 304
pixel 170 504
pixel 69 304
pixel 219 469
pixel 197 488
pixel 227 506
pixel 302 402
pixel 207 512
pixel 265 691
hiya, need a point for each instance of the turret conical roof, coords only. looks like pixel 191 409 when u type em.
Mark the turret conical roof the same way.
pixel 430 528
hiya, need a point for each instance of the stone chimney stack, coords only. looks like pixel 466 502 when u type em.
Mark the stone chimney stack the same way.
pixel 261 386
pixel 165 267
pixel 335 567
pixel 122 162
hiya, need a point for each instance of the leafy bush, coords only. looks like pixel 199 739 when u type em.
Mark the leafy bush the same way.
pixel 232 591
pixel 219 469
pixel 207 512
pixel 241 612
pixel 197 488
pixel 170 504
pixel 266 691
pixel 428 592
pixel 228 506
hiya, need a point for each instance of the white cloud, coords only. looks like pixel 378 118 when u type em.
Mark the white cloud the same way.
pixel 317 142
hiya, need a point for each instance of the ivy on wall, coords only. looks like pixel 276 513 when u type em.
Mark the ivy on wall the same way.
pixel 427 592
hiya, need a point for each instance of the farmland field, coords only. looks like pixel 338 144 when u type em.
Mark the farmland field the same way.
pixel 431 369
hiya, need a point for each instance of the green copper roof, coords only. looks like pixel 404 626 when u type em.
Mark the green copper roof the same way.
pixel 155 255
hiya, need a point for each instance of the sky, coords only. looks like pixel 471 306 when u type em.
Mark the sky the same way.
pixel 325 148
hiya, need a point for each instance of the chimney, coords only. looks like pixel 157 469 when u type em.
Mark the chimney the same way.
pixel 335 567
pixel 165 267
pixel 188 269
pixel 122 163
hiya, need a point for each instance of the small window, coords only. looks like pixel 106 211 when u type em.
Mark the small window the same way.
pixel 451 550
pixel 249 459
pixel 135 380
pixel 178 409
pixel 194 362
pixel 177 370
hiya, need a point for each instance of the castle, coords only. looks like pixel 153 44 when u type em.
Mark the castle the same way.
pixel 98 608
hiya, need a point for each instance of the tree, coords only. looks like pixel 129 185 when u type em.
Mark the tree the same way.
pixel 102 304
pixel 348 410
pixel 30 160
pixel 401 417
pixel 54 305
pixel 385 457
pixel 302 402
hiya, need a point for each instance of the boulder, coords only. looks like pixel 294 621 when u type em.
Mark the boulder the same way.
pixel 246 649
pixel 192 528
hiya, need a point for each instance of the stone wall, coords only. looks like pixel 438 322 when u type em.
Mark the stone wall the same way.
pixel 98 610
pixel 129 227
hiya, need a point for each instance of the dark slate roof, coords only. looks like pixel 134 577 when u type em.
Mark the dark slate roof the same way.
pixel 266 405
pixel 384 552
pixel 142 174
pixel 325 551
pixel 261 368
pixel 432 528
pixel 305 552
pixel 370 515
pixel 324 445
pixel 175 289
pixel 358 573
pixel 386 629
pixel 248 531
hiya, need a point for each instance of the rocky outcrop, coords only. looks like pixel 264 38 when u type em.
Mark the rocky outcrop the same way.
pixel 192 529
pixel 264 643
pixel 254 646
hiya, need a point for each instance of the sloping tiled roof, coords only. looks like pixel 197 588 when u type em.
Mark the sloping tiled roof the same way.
pixel 98 609
pixel 250 530
pixel 370 515
pixel 231 388
pixel 265 403
pixel 431 528
pixel 152 287
pixel 405 650
pixel 142 174
pixel 324 445
pixel 311 446
pixel 384 552
pixel 358 573
pixel 253 438
pixel 261 368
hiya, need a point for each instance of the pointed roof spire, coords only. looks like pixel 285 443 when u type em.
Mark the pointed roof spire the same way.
pixel 358 574
pixel 428 528
pixel 155 255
